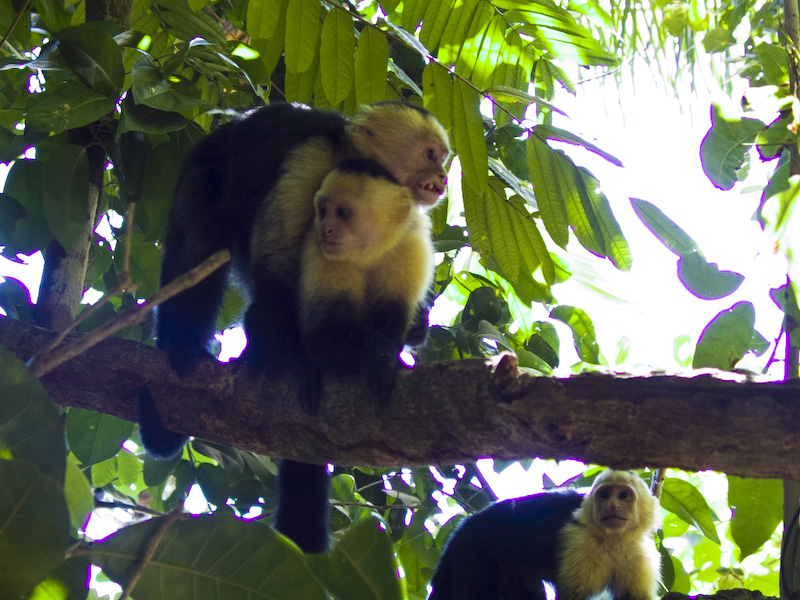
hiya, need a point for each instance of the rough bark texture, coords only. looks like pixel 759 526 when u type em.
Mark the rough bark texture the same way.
pixel 448 412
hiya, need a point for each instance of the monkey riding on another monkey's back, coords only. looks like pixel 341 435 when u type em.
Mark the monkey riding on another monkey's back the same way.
pixel 583 545
pixel 252 187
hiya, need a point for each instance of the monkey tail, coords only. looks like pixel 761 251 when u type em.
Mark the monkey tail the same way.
pixel 160 442
pixel 303 505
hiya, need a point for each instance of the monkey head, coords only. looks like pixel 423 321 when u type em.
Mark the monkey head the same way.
pixel 621 503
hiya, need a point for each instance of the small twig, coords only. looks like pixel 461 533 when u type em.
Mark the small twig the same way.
pixel 150 549
pixel 41 364
pixel 125 506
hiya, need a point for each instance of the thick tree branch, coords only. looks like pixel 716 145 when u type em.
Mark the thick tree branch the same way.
pixel 448 412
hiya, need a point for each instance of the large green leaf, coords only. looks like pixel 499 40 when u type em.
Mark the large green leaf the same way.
pixel 188 24
pixel 263 17
pixel 727 338
pixel 34 526
pixel 479 54
pixel 222 556
pixel 724 147
pixel 556 32
pixel 468 136
pixel 362 565
pixel 69 106
pixel 30 231
pixel 664 228
pixel 705 280
pixel 94 437
pixel 152 89
pixel 65 194
pixel 553 183
pixel 437 86
pixel 371 62
pixel 605 229
pixel 337 61
pixel 30 428
pixel 685 500
pixel 94 57
pixel 757 506
pixel 302 23
pixel 583 335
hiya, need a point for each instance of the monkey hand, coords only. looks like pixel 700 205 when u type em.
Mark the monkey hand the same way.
pixel 378 373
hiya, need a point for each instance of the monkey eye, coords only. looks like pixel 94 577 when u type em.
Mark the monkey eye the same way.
pixel 430 154
pixel 343 212
pixel 604 494
pixel 623 495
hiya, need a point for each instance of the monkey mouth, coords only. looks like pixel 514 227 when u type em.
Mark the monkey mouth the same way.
pixel 614 521
pixel 429 193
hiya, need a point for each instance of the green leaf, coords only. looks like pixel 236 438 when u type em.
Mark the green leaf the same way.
pixel 34 526
pixel 555 133
pixel 664 228
pixel 685 500
pixel 226 557
pixel 705 280
pixel 371 63
pixel 30 428
pixel 78 492
pixel 478 57
pixel 139 117
pixel 336 59
pixel 145 266
pixel 483 304
pixel 583 335
pixel 468 136
pixel 65 194
pixel 436 18
pixel 151 89
pixel 476 216
pixel 66 582
pixel 30 232
pixel 551 187
pixel 94 437
pixel 262 17
pixel 94 57
pixel 605 230
pixel 555 31
pixel 69 106
pixel 775 62
pixel 188 24
pixel 362 565
pixel 727 338
pixel 302 20
pixel 757 506
pixel 437 86
pixel 724 147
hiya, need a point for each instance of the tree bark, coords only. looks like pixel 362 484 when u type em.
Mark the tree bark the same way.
pixel 447 413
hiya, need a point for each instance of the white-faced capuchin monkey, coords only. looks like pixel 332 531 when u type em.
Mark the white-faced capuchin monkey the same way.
pixel 249 187
pixel 365 270
pixel 582 545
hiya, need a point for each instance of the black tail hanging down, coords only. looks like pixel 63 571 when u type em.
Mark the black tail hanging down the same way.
pixel 303 505
pixel 160 442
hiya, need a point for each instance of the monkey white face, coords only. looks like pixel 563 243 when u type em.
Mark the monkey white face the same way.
pixel 339 228
pixel 615 506
pixel 423 173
